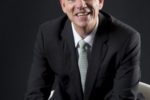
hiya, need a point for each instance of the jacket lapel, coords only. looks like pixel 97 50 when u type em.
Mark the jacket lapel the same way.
pixel 71 60
pixel 97 55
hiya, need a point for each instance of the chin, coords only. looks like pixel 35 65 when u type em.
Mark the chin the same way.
pixel 81 24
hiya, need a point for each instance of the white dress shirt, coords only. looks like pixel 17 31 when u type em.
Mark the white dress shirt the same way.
pixel 88 39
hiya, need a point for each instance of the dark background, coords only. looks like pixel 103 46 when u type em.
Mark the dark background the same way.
pixel 19 22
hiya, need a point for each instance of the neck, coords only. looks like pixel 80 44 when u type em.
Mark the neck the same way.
pixel 84 31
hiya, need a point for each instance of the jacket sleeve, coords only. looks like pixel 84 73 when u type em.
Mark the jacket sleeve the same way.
pixel 128 72
pixel 41 76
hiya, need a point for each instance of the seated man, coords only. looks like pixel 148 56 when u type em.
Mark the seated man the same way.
pixel 85 55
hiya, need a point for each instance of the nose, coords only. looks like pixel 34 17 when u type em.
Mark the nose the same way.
pixel 81 4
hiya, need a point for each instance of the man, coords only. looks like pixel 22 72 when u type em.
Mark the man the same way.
pixel 106 68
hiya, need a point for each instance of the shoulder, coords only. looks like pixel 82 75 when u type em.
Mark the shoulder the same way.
pixel 120 31
pixel 123 28
pixel 51 30
pixel 53 25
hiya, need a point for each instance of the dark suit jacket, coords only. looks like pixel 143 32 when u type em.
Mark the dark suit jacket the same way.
pixel 113 71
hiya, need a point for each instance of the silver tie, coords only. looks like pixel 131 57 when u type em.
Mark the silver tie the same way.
pixel 83 61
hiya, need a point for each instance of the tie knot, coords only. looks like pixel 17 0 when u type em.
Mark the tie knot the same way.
pixel 83 45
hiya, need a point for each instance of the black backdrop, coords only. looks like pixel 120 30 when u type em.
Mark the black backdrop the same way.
pixel 19 22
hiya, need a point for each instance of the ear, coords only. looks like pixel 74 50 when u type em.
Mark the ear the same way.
pixel 101 2
pixel 62 3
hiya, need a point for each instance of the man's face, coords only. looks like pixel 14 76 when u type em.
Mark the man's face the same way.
pixel 82 13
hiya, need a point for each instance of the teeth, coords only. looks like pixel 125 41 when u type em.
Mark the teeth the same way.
pixel 82 14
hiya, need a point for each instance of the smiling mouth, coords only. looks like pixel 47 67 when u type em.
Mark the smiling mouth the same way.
pixel 82 14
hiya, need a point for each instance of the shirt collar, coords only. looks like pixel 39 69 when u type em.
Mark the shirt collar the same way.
pixel 88 39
